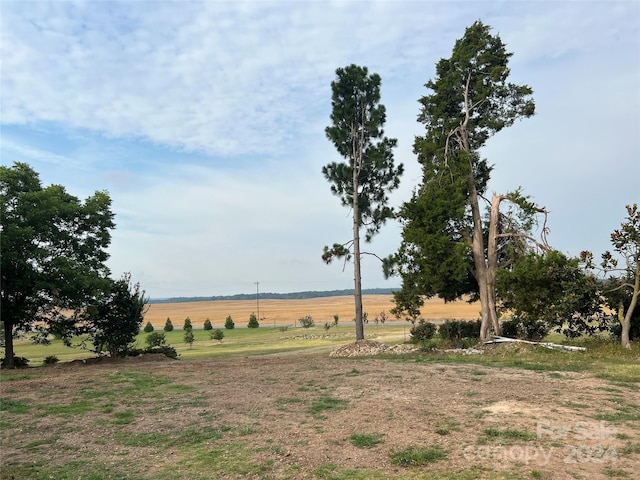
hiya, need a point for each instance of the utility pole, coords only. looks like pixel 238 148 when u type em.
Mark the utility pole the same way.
pixel 258 299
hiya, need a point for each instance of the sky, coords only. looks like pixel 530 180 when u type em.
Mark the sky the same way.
pixel 205 123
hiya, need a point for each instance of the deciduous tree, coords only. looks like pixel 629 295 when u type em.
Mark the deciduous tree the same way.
pixel 54 249
pixel 448 247
pixel 364 180
pixel 623 287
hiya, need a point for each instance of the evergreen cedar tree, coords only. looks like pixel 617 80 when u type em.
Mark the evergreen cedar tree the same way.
pixel 368 174
pixel 448 249
pixel 54 249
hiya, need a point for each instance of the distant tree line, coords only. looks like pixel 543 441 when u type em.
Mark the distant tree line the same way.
pixel 277 296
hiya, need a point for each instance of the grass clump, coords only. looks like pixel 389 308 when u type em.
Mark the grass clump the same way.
pixel 327 402
pixel 416 456
pixel 363 440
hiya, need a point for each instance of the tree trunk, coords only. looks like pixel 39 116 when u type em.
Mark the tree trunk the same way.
pixel 357 277
pixel 625 319
pixel 485 266
pixel 625 322
pixel 8 343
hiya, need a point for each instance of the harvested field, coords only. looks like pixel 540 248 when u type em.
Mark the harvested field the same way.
pixel 286 312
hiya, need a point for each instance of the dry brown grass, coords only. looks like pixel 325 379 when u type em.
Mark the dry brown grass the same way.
pixel 283 312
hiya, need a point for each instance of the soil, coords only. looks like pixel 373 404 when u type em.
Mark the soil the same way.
pixel 489 421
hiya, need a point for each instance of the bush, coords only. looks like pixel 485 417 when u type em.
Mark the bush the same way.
pixel 168 326
pixel 228 324
pixel 187 324
pixel 51 360
pixel 306 321
pixel 422 332
pixel 253 321
pixel 18 362
pixel 165 350
pixel 526 330
pixel 148 328
pixel 156 339
pixel 217 334
pixel 456 330
pixel 207 325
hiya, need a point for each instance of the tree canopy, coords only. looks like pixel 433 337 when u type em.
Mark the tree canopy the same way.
pixel 449 248
pixel 54 249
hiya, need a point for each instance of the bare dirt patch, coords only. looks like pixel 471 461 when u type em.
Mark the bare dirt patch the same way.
pixel 491 422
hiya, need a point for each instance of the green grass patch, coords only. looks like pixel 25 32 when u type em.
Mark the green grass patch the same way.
pixel 11 405
pixel 327 402
pixel 70 409
pixel 417 456
pixel 365 440
pixel 508 435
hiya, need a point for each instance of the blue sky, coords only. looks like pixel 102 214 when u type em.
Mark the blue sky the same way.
pixel 205 122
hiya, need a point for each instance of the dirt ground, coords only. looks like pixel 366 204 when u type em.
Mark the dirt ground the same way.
pixel 467 410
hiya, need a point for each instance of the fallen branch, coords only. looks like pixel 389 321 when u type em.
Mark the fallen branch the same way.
pixel 552 346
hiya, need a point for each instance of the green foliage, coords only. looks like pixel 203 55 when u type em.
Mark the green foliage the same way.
pixel 156 339
pixel 114 323
pixel 357 119
pixel 364 180
pixel 207 325
pixel 469 101
pixel 422 332
pixel 457 330
pixel 253 321
pixel 51 360
pixel 217 334
pixel 416 456
pixel 306 321
pixel 187 324
pixel 622 289
pixel 526 329
pixel 551 290
pixel 54 249
pixel 228 323
pixel 148 328
pixel 336 319
pixel 168 325
pixel 166 350
pixel 189 338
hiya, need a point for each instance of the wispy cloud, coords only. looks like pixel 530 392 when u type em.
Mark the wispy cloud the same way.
pixel 205 120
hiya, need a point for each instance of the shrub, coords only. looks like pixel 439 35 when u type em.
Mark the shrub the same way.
pixel 168 326
pixel 18 362
pixel 217 334
pixel 207 325
pixel 422 332
pixel 148 328
pixel 189 337
pixel 51 360
pixel 327 326
pixel 165 350
pixel 187 324
pixel 306 321
pixel 457 330
pixel 525 329
pixel 156 339
pixel 253 321
pixel 228 324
